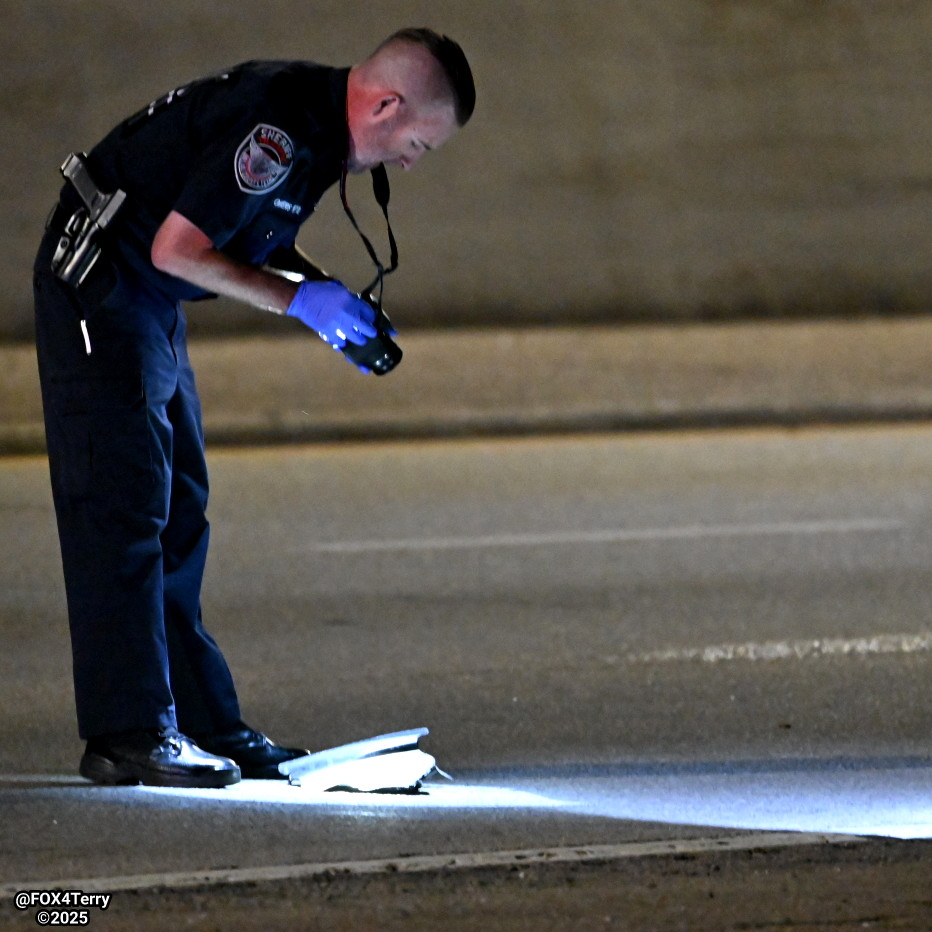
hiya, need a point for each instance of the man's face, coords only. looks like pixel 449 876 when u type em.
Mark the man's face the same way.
pixel 398 134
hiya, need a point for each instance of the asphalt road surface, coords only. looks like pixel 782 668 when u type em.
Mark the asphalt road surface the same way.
pixel 695 639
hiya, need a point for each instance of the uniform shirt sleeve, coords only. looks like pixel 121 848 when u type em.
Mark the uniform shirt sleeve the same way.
pixel 258 159
pixel 215 196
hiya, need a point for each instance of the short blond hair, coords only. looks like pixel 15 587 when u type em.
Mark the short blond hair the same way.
pixel 452 60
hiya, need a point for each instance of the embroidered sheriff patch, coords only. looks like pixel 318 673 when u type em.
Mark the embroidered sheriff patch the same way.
pixel 263 159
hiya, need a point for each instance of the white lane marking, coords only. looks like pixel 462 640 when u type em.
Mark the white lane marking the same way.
pixel 45 779
pixel 608 536
pixel 792 650
pixel 428 863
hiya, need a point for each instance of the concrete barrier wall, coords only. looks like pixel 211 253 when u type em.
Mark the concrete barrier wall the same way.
pixel 627 159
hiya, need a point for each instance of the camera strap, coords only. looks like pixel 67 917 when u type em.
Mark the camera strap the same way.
pixel 382 192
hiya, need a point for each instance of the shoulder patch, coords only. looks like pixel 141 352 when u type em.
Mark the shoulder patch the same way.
pixel 263 159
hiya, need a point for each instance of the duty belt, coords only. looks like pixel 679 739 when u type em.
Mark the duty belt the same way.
pixel 79 241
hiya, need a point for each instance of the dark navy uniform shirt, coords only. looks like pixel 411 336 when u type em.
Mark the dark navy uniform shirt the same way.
pixel 245 155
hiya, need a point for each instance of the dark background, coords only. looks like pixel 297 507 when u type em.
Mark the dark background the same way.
pixel 634 160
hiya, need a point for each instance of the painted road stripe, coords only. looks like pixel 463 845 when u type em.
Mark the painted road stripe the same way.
pixel 792 650
pixel 609 536
pixel 429 863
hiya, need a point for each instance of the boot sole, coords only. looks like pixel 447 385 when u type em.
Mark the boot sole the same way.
pixel 99 769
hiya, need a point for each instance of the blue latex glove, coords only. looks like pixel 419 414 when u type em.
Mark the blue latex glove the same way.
pixel 338 315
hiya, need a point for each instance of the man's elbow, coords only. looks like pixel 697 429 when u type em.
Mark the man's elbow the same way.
pixel 173 258
pixel 163 258
pixel 178 247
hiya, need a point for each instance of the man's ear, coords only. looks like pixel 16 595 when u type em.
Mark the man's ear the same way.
pixel 387 106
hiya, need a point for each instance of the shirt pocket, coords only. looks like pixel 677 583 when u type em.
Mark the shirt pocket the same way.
pixel 266 233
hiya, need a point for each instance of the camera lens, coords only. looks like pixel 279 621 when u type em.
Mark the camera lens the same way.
pixel 379 353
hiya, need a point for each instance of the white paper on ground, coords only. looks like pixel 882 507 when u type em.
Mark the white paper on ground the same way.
pixel 401 771
pixel 384 763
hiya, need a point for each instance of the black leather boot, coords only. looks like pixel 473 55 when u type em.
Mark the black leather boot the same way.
pixel 155 758
pixel 258 757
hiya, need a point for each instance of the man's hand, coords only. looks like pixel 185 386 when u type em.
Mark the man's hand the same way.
pixel 338 316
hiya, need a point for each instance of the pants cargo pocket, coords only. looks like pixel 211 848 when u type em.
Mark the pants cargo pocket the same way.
pixel 100 441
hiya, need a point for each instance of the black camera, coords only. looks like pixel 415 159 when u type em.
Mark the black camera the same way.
pixel 379 353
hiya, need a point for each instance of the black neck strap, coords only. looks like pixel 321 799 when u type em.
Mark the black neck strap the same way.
pixel 382 192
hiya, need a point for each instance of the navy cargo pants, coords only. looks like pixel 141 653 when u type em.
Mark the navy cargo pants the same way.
pixel 129 484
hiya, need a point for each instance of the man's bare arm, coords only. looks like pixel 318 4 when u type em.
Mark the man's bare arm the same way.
pixel 182 249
